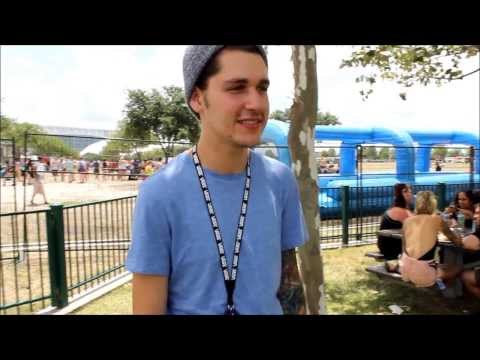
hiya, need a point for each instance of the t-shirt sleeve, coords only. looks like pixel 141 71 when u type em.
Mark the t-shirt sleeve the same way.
pixel 149 252
pixel 294 229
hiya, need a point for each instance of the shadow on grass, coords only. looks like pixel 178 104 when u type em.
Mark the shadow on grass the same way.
pixel 367 294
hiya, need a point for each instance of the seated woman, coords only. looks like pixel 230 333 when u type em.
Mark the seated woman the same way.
pixel 463 203
pixel 420 236
pixel 471 278
pixel 393 218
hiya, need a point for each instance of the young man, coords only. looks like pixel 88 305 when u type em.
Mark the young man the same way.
pixel 471 278
pixel 215 230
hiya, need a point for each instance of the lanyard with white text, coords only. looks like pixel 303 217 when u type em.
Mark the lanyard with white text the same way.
pixel 229 280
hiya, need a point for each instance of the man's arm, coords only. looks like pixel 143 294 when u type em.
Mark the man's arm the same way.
pixel 290 293
pixel 149 294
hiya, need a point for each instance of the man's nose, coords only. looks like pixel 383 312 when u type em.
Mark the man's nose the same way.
pixel 256 100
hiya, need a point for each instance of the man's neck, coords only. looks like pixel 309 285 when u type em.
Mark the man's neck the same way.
pixel 223 159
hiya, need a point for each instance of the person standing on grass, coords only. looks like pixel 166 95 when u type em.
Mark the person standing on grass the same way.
pixel 148 169
pixel 96 168
pixel 105 169
pixel 215 229
pixel 54 165
pixel 82 169
pixel 61 168
pixel 69 169
pixel 38 188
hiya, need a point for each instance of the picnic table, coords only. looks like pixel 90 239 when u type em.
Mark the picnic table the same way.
pixel 393 233
pixel 452 255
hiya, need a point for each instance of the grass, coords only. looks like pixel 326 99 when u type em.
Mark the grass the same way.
pixel 29 279
pixel 349 290
pixel 105 227
pixel 117 302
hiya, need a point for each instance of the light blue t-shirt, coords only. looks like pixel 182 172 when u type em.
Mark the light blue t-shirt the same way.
pixel 172 234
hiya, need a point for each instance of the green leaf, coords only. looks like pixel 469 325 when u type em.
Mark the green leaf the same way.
pixel 412 64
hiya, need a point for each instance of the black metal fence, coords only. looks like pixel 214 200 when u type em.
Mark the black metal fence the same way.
pixel 355 218
pixel 48 256
pixel 117 171
pixel 24 267
pixel 97 237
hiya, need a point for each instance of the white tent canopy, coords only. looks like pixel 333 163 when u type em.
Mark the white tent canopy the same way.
pixel 94 148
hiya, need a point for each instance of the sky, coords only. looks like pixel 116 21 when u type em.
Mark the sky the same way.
pixel 86 86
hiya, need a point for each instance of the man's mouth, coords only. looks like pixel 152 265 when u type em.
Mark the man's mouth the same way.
pixel 250 123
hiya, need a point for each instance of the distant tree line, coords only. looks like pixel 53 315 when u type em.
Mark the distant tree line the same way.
pixel 163 118
pixel 323 118
pixel 38 145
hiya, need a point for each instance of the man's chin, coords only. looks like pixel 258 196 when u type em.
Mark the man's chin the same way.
pixel 248 143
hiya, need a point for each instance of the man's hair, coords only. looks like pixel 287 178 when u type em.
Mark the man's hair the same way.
pixel 398 199
pixel 425 203
pixel 212 67
pixel 200 62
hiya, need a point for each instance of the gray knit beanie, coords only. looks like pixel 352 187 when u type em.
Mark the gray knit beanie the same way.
pixel 194 61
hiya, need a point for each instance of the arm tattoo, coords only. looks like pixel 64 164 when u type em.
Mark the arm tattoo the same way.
pixel 290 292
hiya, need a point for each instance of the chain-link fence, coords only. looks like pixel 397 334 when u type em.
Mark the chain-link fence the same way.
pixel 49 256
pixel 97 189
pixel 111 167
pixel 104 169
pixel 355 183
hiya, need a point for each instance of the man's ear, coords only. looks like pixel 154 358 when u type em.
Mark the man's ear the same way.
pixel 196 101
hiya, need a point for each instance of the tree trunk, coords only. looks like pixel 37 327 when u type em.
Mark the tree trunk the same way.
pixel 301 143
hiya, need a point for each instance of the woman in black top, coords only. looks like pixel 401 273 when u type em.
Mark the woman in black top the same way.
pixel 464 203
pixel 393 219
pixel 471 277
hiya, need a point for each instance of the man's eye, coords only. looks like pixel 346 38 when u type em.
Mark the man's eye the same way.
pixel 236 88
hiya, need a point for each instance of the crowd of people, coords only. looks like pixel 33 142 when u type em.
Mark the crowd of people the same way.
pixel 68 169
pixel 421 227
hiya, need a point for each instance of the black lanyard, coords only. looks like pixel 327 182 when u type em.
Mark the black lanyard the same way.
pixel 229 279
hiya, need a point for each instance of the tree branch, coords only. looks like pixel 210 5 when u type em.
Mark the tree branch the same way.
pixel 457 78
pixel 470 73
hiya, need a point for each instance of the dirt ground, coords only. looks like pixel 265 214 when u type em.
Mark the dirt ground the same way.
pixel 390 166
pixel 94 246
pixel 107 187
pixel 65 193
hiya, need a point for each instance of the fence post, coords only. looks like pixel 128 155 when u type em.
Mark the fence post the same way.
pixel 442 196
pixel 345 213
pixel 471 161
pixel 56 256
